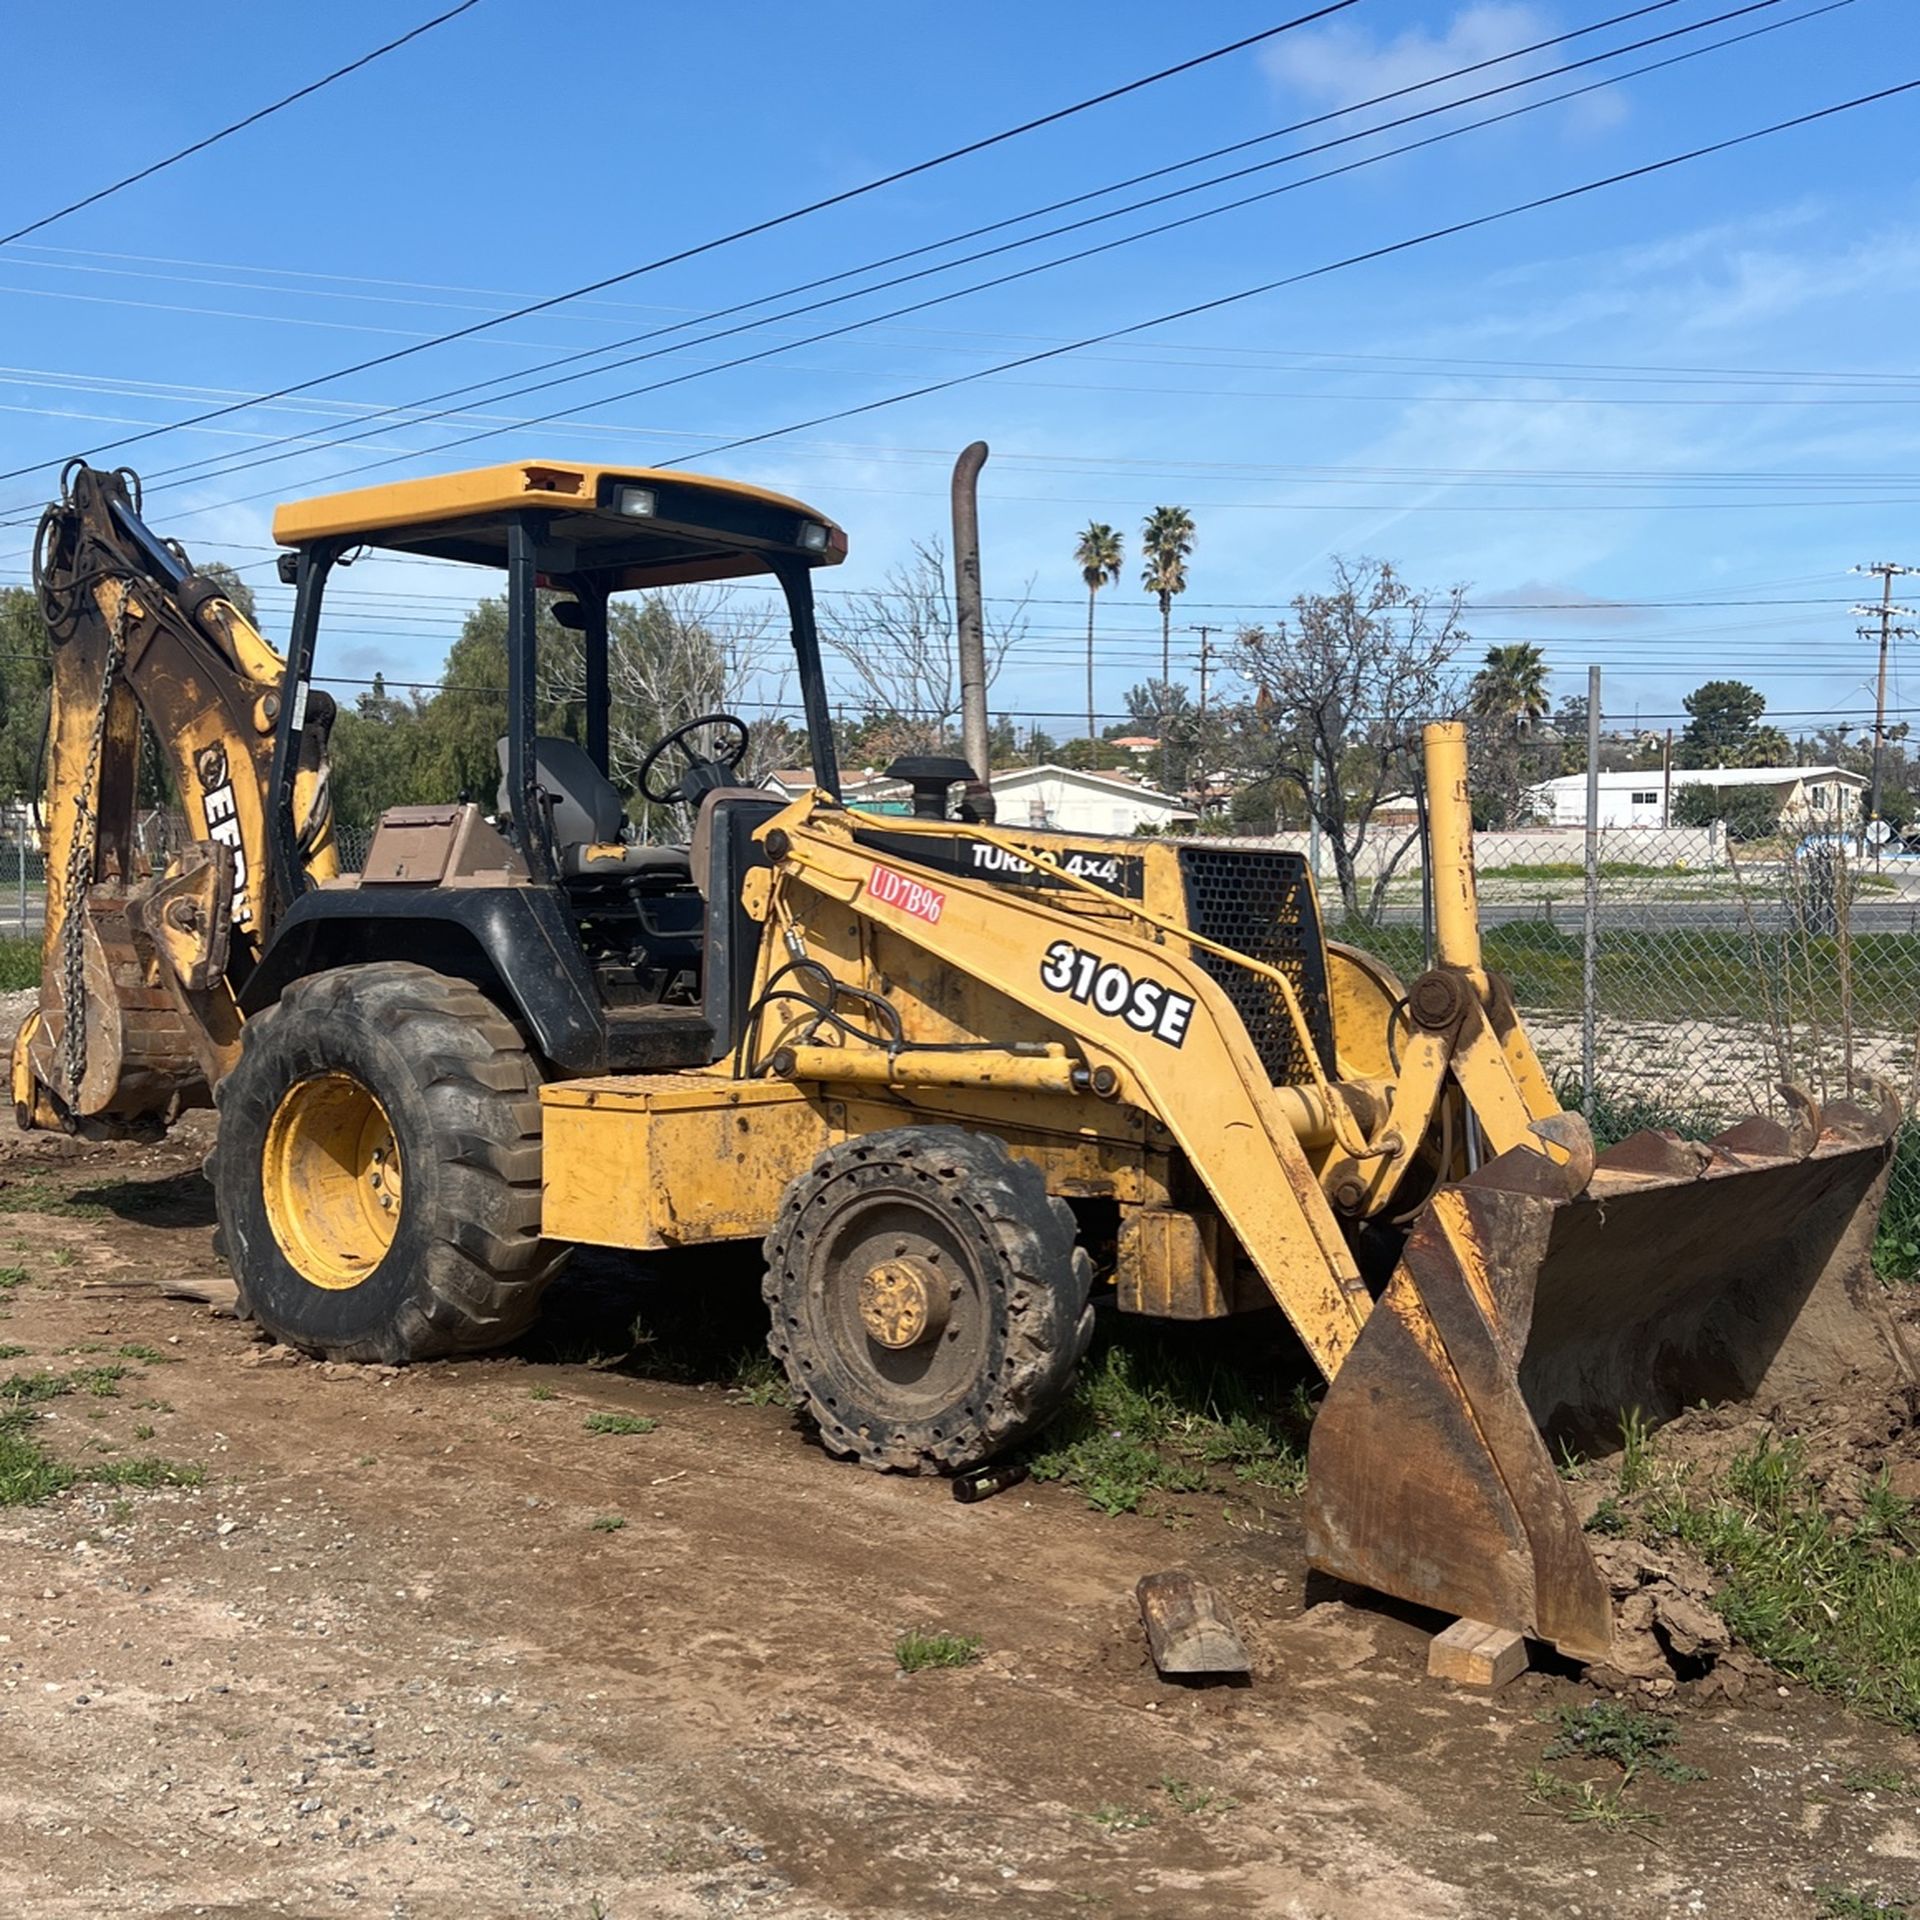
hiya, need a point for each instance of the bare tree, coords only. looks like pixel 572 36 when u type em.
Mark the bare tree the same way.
pixel 674 655
pixel 1340 692
pixel 899 641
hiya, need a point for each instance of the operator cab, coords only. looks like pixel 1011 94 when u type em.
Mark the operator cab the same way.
pixel 619 954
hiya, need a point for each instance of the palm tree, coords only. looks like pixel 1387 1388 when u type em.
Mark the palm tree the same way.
pixel 1098 556
pixel 1512 686
pixel 1166 539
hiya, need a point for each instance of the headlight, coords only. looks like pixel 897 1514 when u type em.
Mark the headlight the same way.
pixel 635 502
pixel 813 536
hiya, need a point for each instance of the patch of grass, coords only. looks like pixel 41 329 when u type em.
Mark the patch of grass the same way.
pixel 1896 1240
pixel 65 1258
pixel 758 1380
pixel 620 1423
pixel 542 1393
pixel 1143 1420
pixel 1633 1741
pixel 11 1353
pixel 149 1470
pixel 19 965
pixel 101 1382
pixel 1113 1818
pixel 1842 1903
pixel 1587 1804
pixel 41 1195
pixel 1875 1780
pixel 143 1431
pixel 14 1277
pixel 609 1523
pixel 915 1651
pixel 1835 1603
pixel 1191 1799
pixel 150 1356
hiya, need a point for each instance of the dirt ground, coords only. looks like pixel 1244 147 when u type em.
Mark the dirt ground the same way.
pixel 384 1662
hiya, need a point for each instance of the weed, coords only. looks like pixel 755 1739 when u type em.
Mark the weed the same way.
pixel 758 1380
pixel 66 1257
pixel 1635 1742
pixel 101 1382
pixel 1875 1780
pixel 368 1460
pixel 1191 1799
pixel 1636 1451
pixel 19 965
pixel 1586 1804
pixel 14 1277
pixel 1833 1603
pixel 1841 1903
pixel 620 1423
pixel 609 1523
pixel 1142 1420
pixel 143 1431
pixel 29 1389
pixel 148 1470
pixel 914 1651
pixel 542 1393
pixel 1607 1517
pixel 153 1406
pixel 11 1353
pixel 1118 1819
pixel 150 1356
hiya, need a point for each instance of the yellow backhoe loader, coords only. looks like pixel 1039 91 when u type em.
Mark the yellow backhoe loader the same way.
pixel 948 1072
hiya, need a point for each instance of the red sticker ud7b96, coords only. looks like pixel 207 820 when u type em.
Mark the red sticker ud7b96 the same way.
pixel 910 896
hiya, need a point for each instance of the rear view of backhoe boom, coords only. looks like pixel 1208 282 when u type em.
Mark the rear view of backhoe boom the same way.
pixel 949 1075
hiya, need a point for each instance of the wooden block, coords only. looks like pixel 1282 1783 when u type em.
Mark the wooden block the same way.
pixel 1189 1629
pixel 1472 1654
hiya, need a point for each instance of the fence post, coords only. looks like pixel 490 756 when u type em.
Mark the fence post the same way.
pixel 1590 922
pixel 21 843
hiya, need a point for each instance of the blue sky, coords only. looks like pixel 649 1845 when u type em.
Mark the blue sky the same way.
pixel 1695 388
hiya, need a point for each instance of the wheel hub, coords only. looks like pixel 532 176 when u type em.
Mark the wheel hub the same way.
pixel 331 1176
pixel 903 1301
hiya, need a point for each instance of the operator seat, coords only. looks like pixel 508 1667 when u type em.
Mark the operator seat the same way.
pixel 586 818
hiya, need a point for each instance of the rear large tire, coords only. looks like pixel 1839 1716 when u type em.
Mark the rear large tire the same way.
pixel 378 1168
pixel 928 1299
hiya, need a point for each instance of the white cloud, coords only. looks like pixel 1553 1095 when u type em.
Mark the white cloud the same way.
pixel 1343 62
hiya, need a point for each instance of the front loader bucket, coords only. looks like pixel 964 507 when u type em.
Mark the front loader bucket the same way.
pixel 1535 1303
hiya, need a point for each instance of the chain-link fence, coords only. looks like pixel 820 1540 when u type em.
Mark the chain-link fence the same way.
pixel 1701 975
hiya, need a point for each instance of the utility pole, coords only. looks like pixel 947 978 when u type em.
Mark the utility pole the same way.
pixel 1666 771
pixel 1205 654
pixel 1885 611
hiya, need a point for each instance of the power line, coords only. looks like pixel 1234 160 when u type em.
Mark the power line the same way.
pixel 237 126
pixel 739 233
pixel 210 469
pixel 995 226
pixel 1313 273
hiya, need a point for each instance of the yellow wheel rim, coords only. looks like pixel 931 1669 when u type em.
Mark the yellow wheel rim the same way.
pixel 331 1176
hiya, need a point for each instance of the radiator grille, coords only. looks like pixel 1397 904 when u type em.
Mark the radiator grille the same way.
pixel 1259 902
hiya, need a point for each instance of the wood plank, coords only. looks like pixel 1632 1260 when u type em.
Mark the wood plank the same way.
pixel 1189 1629
pixel 1472 1654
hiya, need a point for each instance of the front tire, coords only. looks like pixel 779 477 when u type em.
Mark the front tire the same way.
pixel 378 1168
pixel 929 1301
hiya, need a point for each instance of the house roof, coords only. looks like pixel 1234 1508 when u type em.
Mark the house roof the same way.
pixel 1111 783
pixel 1708 777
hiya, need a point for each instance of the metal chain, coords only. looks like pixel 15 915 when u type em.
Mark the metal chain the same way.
pixel 80 863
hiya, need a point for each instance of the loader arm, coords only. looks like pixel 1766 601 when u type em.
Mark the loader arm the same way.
pixel 139 970
pixel 1153 1030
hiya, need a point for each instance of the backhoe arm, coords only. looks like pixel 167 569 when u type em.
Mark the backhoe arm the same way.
pixel 136 1004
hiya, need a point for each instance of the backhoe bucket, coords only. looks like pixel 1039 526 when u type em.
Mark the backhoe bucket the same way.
pixel 1536 1303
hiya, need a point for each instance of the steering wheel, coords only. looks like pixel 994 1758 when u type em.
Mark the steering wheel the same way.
pixel 724 758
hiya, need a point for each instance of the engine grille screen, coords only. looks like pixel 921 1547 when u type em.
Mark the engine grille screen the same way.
pixel 1259 902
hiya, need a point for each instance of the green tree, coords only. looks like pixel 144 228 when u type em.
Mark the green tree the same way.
pixel 1748 813
pixel 1511 688
pixel 1723 716
pixel 1166 540
pixel 24 677
pixel 1099 556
